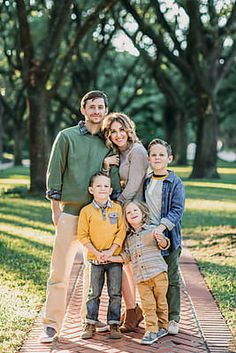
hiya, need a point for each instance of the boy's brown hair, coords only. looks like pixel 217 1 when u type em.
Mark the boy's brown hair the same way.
pixel 93 177
pixel 160 142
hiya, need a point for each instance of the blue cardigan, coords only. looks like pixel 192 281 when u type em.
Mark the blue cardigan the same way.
pixel 172 208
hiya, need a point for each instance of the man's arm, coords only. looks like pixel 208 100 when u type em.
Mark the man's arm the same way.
pixel 56 167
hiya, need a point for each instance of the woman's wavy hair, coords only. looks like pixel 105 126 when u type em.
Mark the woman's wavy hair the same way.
pixel 127 124
pixel 144 209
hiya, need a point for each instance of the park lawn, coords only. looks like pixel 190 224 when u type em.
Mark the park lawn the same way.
pixel 26 236
pixel 25 250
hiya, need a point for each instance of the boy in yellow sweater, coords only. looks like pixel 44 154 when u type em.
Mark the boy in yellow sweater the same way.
pixel 101 230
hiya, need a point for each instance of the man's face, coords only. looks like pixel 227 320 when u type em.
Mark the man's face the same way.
pixel 94 111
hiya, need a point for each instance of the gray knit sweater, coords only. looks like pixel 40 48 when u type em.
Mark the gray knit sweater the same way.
pixel 132 171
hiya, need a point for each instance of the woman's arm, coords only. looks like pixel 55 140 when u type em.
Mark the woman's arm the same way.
pixel 138 165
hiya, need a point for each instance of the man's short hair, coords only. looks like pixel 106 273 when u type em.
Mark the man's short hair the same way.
pixel 93 177
pixel 160 142
pixel 93 95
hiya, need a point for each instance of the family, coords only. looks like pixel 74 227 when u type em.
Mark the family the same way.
pixel 122 207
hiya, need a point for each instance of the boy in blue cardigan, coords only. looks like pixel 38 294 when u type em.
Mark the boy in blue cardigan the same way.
pixel 165 195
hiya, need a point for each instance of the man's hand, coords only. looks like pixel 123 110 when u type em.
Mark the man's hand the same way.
pixel 56 211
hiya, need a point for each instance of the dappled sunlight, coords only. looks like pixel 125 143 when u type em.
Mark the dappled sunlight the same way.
pixel 210 205
pixel 24 222
pixel 227 170
pixel 14 181
pixel 210 185
pixel 41 237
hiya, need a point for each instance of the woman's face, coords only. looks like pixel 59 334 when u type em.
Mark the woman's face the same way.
pixel 118 135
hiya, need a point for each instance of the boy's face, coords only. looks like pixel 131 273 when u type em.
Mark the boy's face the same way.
pixel 94 111
pixel 101 189
pixel 159 159
pixel 134 215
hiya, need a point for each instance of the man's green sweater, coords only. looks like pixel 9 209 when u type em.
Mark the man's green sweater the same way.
pixel 76 155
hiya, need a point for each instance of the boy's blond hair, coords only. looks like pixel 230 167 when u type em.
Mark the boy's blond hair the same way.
pixel 160 142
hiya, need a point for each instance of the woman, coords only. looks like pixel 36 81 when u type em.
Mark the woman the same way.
pixel 120 135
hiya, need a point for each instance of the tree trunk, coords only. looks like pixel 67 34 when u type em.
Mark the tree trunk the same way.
pixel 1 131
pixel 181 139
pixel 205 161
pixel 176 134
pixel 18 140
pixel 39 151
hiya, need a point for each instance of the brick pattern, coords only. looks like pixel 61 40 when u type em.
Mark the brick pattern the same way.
pixel 200 328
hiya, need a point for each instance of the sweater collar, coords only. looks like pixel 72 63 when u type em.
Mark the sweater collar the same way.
pixel 83 129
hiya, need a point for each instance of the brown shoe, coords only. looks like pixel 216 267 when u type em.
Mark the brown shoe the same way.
pixel 88 332
pixel 115 331
pixel 132 319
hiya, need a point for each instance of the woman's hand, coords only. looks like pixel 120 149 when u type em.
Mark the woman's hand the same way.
pixel 111 160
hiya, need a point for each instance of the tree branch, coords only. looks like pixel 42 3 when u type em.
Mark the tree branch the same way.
pixel 104 5
pixel 157 40
pixel 165 25
pixel 25 37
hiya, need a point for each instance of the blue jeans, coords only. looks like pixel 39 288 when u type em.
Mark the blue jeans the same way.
pixel 113 273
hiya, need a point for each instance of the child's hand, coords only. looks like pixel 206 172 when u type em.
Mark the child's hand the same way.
pixel 100 257
pixel 112 258
pixel 161 241
pixel 106 254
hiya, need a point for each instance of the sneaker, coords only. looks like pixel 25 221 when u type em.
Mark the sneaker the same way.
pixel 115 331
pixel 101 327
pixel 48 335
pixel 89 331
pixel 162 332
pixel 149 338
pixel 173 328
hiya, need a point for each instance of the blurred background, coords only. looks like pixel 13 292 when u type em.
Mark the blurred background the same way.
pixel 168 64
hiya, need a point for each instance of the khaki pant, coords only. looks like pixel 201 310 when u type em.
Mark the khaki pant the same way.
pixel 154 303
pixel 63 255
pixel 86 284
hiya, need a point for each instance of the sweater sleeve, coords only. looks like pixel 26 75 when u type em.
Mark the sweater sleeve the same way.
pixel 138 164
pixel 176 211
pixel 83 228
pixel 56 167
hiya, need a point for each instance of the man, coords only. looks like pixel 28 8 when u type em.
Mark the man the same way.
pixel 76 155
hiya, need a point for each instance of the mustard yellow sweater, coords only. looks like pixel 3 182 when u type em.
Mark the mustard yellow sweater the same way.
pixel 102 229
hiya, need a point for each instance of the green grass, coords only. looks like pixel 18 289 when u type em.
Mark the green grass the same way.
pixel 25 250
pixel 26 236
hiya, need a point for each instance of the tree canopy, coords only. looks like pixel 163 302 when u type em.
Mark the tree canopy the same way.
pixel 169 64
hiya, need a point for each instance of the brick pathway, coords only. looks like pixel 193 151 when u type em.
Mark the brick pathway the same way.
pixel 202 327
